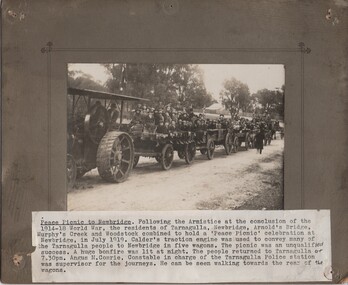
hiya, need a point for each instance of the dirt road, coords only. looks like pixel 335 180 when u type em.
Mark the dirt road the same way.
pixel 242 180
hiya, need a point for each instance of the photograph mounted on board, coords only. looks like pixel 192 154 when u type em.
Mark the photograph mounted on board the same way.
pixel 146 136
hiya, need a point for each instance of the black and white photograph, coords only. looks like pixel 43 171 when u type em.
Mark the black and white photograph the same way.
pixel 146 136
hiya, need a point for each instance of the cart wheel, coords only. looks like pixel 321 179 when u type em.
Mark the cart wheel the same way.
pixel 70 172
pixel 246 143
pixel 228 143
pixel 210 148
pixel 115 156
pixel 136 160
pixel 203 151
pixel 181 154
pixel 235 145
pixel 167 157
pixel 190 152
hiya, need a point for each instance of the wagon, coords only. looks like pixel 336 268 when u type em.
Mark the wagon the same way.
pixel 245 137
pixel 206 140
pixel 161 146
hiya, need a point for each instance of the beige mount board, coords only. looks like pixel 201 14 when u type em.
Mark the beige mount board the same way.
pixel 39 39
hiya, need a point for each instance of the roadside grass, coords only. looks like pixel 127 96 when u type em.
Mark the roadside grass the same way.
pixel 268 183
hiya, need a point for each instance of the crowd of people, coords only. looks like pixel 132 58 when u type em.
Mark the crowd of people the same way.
pixel 168 119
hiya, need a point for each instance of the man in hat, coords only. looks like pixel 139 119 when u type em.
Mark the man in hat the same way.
pixel 190 113
pixel 137 118
pixel 113 115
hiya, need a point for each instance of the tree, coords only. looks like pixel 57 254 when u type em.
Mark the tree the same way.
pixel 270 101
pixel 235 96
pixel 160 83
pixel 79 79
pixel 190 86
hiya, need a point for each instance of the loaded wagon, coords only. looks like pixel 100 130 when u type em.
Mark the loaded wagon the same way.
pixel 214 135
pixel 160 145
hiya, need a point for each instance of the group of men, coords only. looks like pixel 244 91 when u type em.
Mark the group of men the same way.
pixel 168 119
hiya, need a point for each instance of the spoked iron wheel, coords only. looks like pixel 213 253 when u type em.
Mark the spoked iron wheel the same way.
pixel 235 145
pixel 167 157
pixel 70 172
pixel 210 149
pixel 190 152
pixel 228 144
pixel 115 156
pixel 136 160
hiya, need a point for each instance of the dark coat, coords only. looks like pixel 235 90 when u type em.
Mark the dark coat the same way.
pixel 259 138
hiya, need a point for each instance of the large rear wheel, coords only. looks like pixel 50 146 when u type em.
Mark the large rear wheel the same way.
pixel 190 152
pixel 167 157
pixel 115 156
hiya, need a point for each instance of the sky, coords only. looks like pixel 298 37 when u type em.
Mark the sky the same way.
pixel 256 76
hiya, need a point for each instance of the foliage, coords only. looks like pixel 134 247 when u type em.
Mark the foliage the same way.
pixel 235 96
pixel 176 84
pixel 269 101
pixel 79 79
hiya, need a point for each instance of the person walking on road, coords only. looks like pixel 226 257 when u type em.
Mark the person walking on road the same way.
pixel 259 138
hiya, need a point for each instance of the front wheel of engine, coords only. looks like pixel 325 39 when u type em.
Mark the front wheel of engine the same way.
pixel 115 156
